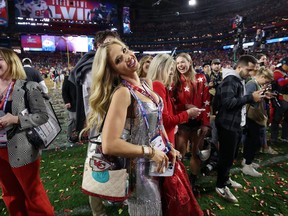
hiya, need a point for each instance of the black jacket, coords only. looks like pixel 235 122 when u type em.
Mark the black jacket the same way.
pixel 77 77
pixel 230 100
pixel 69 94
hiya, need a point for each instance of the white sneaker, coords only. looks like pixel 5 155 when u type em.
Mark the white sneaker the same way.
pixel 249 170
pixel 226 194
pixel 254 165
pixel 233 184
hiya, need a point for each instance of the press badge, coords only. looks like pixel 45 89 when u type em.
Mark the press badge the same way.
pixel 3 133
pixel 158 143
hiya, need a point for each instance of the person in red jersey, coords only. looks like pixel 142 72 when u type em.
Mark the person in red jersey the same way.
pixel 191 90
pixel 281 110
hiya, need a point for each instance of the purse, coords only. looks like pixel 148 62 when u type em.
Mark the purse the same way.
pixel 106 176
pixel 257 115
pixel 42 136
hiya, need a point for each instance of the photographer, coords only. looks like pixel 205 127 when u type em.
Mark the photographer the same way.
pixel 280 85
pixel 256 120
pixel 215 78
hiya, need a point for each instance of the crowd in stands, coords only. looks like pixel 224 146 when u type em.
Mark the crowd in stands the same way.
pixel 59 61
pixel 184 31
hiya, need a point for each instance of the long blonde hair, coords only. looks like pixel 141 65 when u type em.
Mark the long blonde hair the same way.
pixel 140 70
pixel 104 82
pixel 191 70
pixel 159 68
pixel 267 73
pixel 191 73
pixel 15 68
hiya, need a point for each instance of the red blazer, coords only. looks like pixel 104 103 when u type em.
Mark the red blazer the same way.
pixel 170 118
pixel 195 93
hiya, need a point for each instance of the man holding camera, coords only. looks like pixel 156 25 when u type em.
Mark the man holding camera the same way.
pixel 281 111
pixel 231 100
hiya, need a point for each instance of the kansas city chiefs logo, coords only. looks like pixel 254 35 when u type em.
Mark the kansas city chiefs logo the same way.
pixel 98 164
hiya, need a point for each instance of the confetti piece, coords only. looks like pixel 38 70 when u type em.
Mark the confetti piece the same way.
pixel 219 206
pixel 247 182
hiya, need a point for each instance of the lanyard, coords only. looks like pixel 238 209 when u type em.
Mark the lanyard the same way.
pixel 5 99
pixel 144 114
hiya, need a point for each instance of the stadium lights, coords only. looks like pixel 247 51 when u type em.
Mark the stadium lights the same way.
pixel 156 52
pixel 192 2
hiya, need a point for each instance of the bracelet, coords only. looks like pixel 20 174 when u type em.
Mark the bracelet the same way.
pixel 152 154
pixel 145 151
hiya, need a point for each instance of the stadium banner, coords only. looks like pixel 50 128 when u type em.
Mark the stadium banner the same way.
pixel 31 42
pixel 74 10
pixel 3 13
pixel 126 20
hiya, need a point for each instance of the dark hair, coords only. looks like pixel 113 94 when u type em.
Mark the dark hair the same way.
pixel 101 36
pixel 245 59
pixel 27 61
pixel 259 55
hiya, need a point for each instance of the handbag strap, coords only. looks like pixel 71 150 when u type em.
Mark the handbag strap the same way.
pixel 91 139
pixel 27 106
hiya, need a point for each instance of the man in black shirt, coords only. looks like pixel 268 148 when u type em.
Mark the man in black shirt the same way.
pixel 34 75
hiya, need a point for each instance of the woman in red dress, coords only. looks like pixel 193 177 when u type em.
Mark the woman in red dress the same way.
pixel 191 90
pixel 177 196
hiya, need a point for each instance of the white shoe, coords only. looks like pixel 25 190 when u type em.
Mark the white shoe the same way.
pixel 254 165
pixel 233 184
pixel 268 150
pixel 226 194
pixel 249 170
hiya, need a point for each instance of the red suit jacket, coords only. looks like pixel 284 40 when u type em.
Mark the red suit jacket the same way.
pixel 170 117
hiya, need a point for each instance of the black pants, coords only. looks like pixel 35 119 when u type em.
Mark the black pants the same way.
pixel 254 136
pixel 228 146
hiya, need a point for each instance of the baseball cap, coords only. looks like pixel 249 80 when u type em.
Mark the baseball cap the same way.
pixel 216 61
pixel 205 63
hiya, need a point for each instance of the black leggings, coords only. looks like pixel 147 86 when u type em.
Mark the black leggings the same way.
pixel 254 135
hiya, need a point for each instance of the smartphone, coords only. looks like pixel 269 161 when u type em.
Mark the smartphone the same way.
pixel 169 171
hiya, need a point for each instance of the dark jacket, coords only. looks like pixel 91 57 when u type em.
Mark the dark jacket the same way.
pixel 77 77
pixel 69 94
pixel 230 100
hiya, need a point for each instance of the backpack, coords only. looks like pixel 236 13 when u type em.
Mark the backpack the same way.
pixel 42 136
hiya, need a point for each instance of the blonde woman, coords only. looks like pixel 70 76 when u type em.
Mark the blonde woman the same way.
pixel 144 66
pixel 22 189
pixel 191 90
pixel 118 94
pixel 256 121
pixel 161 72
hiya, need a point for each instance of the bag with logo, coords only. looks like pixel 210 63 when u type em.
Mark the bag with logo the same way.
pixel 42 136
pixel 106 176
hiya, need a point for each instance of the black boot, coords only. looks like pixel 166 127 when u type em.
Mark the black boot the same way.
pixel 195 188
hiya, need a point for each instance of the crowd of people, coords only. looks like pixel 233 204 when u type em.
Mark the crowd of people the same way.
pixel 181 103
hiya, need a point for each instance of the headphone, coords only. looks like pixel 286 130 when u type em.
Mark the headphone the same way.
pixel 27 59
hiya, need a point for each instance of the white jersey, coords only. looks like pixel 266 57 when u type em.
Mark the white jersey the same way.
pixel 39 10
